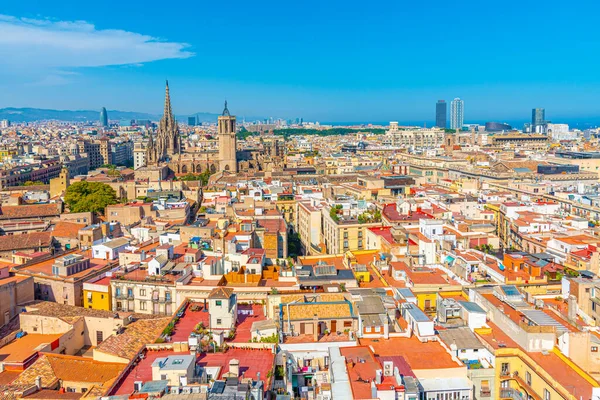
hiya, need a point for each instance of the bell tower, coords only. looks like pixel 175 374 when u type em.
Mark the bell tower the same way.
pixel 227 142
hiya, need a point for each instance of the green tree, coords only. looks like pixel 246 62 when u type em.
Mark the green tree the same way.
pixel 31 183
pixel 202 177
pixel 89 197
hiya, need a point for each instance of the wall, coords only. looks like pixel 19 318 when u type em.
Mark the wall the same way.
pixel 97 300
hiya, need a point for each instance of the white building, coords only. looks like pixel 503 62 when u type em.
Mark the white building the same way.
pixel 457 113
pixel 109 250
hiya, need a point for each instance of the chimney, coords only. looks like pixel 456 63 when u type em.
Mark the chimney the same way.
pixel 378 376
pixel 315 328
pixel 38 382
pixel 234 367
pixel 572 310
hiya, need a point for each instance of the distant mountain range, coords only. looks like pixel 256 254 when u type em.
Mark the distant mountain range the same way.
pixel 39 114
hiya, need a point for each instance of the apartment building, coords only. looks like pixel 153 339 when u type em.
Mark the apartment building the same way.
pixel 309 226
pixel 14 291
pixel 61 280
pixel 344 233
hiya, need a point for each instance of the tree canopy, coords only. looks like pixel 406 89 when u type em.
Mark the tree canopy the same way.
pixel 202 177
pixel 89 197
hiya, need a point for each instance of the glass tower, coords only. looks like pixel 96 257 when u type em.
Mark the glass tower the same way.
pixel 457 113
pixel 440 114
pixel 538 120
pixel 103 118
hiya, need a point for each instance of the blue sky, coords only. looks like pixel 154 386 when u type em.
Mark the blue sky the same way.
pixel 321 60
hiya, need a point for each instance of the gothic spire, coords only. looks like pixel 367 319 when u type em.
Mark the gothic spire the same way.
pixel 168 113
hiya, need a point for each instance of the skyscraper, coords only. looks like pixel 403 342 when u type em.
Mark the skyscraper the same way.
pixel 440 114
pixel 457 113
pixel 103 118
pixel 538 120
pixel 192 121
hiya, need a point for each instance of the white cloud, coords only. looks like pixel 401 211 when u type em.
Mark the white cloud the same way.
pixel 39 44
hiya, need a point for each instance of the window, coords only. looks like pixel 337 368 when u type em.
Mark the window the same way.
pixel 546 394
pixel 218 303
pixel 347 324
pixel 345 244
pixel 99 337
pixel 528 378
pixel 142 305
pixel 142 292
pixel 594 349
pixel 218 321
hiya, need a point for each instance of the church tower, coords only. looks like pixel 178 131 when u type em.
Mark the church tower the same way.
pixel 227 142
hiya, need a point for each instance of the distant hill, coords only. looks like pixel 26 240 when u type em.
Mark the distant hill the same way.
pixel 39 114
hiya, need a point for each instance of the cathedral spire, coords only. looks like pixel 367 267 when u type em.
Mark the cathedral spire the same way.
pixel 168 113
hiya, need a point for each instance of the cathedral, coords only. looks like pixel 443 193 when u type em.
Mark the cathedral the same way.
pixel 166 147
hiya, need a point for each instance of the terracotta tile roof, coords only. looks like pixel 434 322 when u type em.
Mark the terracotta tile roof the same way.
pixel 41 368
pixel 65 312
pixel 48 394
pixel 220 293
pixel 136 336
pixel 67 229
pixel 26 241
pixel 419 355
pixel 56 367
pixel 29 211
pixel 300 311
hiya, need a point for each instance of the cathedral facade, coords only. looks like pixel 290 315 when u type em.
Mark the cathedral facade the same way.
pixel 166 147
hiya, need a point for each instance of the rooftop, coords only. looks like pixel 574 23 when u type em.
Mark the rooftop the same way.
pixel 428 355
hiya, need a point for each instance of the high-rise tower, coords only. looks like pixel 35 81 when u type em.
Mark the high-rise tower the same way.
pixel 227 142
pixel 103 118
pixel 440 114
pixel 457 113
pixel 168 140
pixel 538 120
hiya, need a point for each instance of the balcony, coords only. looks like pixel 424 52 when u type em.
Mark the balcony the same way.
pixel 485 392
pixel 512 394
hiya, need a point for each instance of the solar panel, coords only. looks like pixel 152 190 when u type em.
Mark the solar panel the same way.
pixel 511 290
pixel 218 387
pixel 325 270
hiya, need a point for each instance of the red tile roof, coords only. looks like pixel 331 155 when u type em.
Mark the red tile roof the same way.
pixel 29 211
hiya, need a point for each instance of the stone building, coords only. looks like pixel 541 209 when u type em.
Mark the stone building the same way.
pixel 166 148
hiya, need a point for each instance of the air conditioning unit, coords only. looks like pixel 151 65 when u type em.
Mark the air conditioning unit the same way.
pixel 388 368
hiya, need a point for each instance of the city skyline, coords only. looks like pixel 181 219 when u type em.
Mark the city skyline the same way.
pixel 297 74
